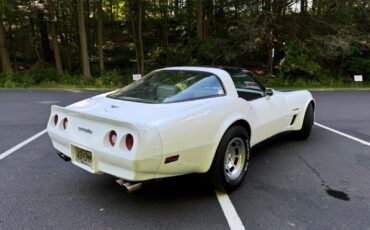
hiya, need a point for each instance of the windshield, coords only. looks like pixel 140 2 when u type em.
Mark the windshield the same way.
pixel 165 86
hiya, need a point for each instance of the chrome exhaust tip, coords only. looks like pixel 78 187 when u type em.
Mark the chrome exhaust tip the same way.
pixel 64 157
pixel 128 186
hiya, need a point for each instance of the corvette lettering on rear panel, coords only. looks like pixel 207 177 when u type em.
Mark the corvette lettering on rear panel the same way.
pixel 85 130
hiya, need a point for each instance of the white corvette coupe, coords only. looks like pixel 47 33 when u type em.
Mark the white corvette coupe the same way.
pixel 176 121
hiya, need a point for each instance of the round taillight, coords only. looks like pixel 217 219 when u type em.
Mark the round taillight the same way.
pixel 55 119
pixel 65 123
pixel 129 141
pixel 112 137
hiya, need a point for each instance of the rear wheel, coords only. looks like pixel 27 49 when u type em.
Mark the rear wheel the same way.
pixel 305 131
pixel 231 161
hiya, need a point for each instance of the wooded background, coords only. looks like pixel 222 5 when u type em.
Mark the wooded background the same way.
pixel 103 42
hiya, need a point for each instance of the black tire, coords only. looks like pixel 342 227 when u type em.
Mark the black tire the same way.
pixel 220 174
pixel 308 121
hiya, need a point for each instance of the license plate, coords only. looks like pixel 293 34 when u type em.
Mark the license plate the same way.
pixel 84 157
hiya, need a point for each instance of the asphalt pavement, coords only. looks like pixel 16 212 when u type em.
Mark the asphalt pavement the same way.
pixel 321 183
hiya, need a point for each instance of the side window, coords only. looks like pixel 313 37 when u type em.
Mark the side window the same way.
pixel 247 87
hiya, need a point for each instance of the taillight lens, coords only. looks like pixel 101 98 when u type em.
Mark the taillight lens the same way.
pixel 129 141
pixel 65 123
pixel 112 137
pixel 55 119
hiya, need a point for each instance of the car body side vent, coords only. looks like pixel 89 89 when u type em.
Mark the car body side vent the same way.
pixel 293 119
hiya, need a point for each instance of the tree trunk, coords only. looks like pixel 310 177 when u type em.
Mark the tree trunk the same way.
pixel 65 37
pixel 207 17
pixel 220 19
pixel 303 6
pixel 100 36
pixel 93 36
pixel 136 11
pixel 314 6
pixel 89 27
pixel 164 17
pixel 270 59
pixel 5 59
pixel 54 37
pixel 176 8
pixel 34 40
pixel 269 34
pixel 117 10
pixel 140 38
pixel 83 42
pixel 46 52
pixel 200 19
pixel 189 16
pixel 111 10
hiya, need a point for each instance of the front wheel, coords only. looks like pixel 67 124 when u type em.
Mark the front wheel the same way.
pixel 308 121
pixel 231 160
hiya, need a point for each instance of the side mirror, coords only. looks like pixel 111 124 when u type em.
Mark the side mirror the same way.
pixel 269 92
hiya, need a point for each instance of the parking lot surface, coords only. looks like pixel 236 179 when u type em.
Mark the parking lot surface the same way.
pixel 321 183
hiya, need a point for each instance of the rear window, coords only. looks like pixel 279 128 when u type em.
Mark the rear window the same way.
pixel 166 86
pixel 245 81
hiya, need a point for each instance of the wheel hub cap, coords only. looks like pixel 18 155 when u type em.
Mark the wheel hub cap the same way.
pixel 235 158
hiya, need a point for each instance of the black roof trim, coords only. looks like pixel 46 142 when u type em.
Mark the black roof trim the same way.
pixel 229 69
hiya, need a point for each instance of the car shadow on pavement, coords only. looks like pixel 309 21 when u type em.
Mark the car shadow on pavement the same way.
pixel 272 142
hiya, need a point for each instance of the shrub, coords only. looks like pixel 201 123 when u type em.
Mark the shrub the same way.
pixel 109 79
pixel 36 75
pixel 298 62
pixel 7 80
pixel 361 66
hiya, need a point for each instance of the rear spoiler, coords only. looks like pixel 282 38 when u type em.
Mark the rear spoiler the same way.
pixel 55 109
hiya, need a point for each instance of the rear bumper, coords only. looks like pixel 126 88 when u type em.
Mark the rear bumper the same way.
pixel 119 165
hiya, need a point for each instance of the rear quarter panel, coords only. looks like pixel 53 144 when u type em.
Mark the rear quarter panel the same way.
pixel 194 135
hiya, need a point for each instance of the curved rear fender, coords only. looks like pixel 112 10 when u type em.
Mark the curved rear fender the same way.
pixel 194 135
pixel 232 120
pixel 191 136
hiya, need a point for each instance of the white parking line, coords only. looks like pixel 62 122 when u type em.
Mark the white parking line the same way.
pixel 343 134
pixel 230 213
pixel 20 145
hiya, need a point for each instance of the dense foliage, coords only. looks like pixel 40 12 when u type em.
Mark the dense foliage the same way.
pixel 102 42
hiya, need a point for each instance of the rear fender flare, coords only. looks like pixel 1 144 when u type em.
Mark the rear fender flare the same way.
pixel 229 122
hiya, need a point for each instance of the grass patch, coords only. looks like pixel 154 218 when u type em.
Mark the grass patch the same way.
pixel 323 83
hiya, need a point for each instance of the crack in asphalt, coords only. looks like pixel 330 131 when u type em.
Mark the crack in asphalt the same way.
pixel 331 192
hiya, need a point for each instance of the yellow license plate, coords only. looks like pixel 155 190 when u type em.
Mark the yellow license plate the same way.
pixel 84 157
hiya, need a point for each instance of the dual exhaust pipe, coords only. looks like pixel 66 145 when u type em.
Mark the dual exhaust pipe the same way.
pixel 129 187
